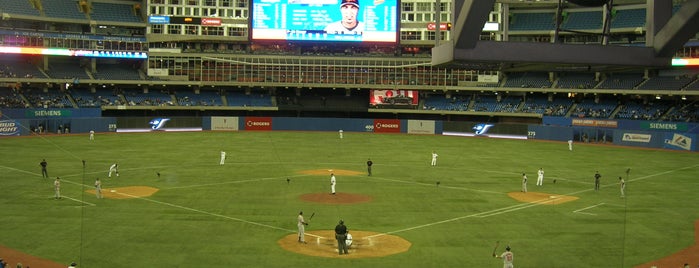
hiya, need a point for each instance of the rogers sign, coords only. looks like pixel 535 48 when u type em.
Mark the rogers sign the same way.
pixel 258 123
pixel 210 21
pixel 387 125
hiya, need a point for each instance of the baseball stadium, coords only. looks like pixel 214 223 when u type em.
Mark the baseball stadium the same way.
pixel 449 133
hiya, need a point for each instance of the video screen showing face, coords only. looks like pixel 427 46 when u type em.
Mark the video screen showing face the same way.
pixel 325 20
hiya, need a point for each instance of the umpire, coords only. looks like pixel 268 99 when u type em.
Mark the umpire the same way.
pixel 341 236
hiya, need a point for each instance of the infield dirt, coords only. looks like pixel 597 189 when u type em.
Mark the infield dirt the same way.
pixel 365 244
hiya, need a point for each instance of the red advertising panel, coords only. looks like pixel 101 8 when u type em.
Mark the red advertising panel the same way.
pixel 387 125
pixel 210 21
pixel 442 26
pixel 258 123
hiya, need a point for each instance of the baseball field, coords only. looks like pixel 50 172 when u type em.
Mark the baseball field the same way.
pixel 174 205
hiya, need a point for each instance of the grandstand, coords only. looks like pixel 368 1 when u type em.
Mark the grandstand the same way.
pixel 260 77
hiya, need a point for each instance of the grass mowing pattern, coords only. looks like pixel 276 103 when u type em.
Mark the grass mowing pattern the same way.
pixel 232 215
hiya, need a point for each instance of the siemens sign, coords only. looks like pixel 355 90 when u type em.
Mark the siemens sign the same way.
pixel 664 126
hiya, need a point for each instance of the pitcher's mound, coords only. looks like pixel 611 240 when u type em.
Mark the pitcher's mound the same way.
pixel 365 244
pixel 337 198
pixel 541 198
pixel 126 192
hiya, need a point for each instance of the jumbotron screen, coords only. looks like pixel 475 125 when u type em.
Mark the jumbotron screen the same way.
pixel 325 20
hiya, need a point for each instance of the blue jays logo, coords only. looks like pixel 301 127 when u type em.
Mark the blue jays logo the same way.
pixel 158 123
pixel 482 129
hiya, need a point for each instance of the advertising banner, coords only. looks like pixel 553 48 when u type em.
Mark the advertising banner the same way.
pixel 421 127
pixel 229 123
pixel 51 113
pixel 9 128
pixel 636 137
pixel 258 123
pixel 153 124
pixel 594 123
pixel 387 125
pixel 664 126
pixel 679 141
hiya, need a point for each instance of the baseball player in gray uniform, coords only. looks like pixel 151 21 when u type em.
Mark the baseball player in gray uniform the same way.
pixel 524 183
pixel 98 188
pixel 301 223
pixel 507 258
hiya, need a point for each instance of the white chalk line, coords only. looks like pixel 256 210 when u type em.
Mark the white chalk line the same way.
pixel 521 206
pixel 586 208
pixel 481 214
pixel 76 200
pixel 208 213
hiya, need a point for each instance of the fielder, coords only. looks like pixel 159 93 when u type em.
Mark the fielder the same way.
pixel 570 145
pixel 622 187
pixel 114 168
pixel 332 183
pixel 434 158
pixel 301 223
pixel 98 188
pixel 57 188
pixel 341 132
pixel 92 135
pixel 507 258
pixel 524 182
pixel 223 158
pixel 540 177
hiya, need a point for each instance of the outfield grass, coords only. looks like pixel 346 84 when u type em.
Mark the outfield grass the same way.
pixel 206 215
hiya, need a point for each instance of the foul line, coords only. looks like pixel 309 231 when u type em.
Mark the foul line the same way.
pixel 76 200
pixel 586 208
pixel 521 206
pixel 206 212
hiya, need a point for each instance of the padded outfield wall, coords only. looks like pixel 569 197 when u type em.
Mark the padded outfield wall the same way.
pixel 650 134
pixel 637 133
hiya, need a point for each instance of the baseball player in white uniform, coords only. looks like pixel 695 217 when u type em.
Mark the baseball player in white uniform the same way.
pixel 301 223
pixel 114 168
pixel 524 182
pixel 434 158
pixel 92 135
pixel 223 158
pixel 57 188
pixel 341 133
pixel 540 177
pixel 332 183
pixel 570 145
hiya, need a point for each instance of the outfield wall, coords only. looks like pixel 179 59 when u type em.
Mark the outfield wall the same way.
pixel 649 134
pixel 668 135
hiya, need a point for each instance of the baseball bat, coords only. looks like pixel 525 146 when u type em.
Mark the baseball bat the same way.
pixel 311 217
pixel 497 243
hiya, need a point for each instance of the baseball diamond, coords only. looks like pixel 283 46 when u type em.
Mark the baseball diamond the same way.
pixel 397 216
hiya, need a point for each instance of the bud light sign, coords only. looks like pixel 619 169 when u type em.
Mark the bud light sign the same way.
pixel 9 128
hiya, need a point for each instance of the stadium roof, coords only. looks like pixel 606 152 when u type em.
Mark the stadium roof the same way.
pixel 666 34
